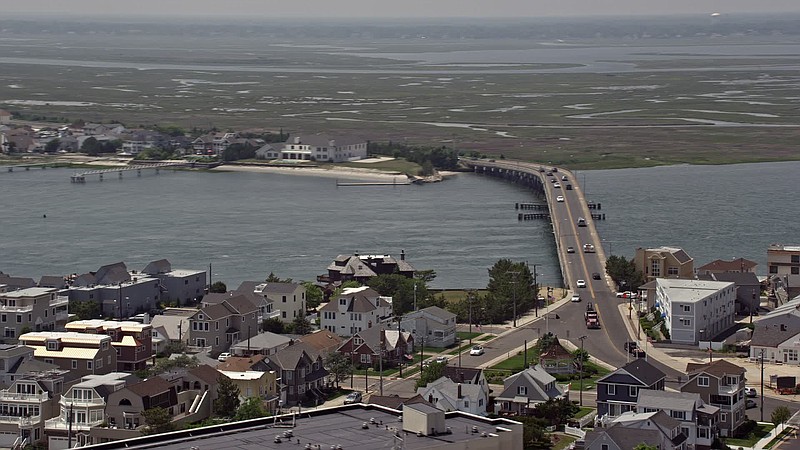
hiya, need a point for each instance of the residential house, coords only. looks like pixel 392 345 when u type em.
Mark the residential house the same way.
pixel 631 429
pixel 10 283
pixel 5 117
pixel 11 358
pixel 664 262
pixel 720 384
pixel 32 309
pixel 137 141
pixel 132 341
pixel 97 129
pixel 53 281
pixel 254 378
pixel 323 147
pixel 268 151
pixel 184 286
pixel 448 395
pixel 776 336
pixel 197 388
pixel 748 289
pixel 119 293
pixel 365 347
pixel 783 262
pixel 695 310
pixel 355 310
pixel 618 391
pixel 524 390
pixel 395 401
pixel 31 399
pixel 221 325
pixel 215 143
pixel 464 375
pixel 697 421
pixel 287 298
pixel 301 372
pixel 737 265
pixel 433 324
pixel 170 328
pixel 556 360
pixel 81 354
pixel 85 402
pixel 124 407
pixel 265 343
pixel 321 342
pixel 362 268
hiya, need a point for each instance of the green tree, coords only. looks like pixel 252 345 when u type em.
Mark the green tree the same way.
pixel 52 146
pixel 345 285
pixel 273 325
pixel 227 401
pixel 314 295
pixel 272 278
pixel 780 415
pixel 556 411
pixel 301 325
pixel 91 146
pixel 433 372
pixel 534 434
pixel 218 288
pixel 580 355
pixel 182 361
pixel 623 272
pixel 402 291
pixel 25 329
pixel 426 276
pixel 644 446
pixel 510 284
pixel 157 420
pixel 239 151
pixel 252 408
pixel 339 366
pixel 85 310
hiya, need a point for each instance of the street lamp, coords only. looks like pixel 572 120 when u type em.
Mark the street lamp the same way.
pixel 581 374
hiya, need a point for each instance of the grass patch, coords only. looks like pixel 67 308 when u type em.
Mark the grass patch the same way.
pixel 466 335
pixel 516 362
pixel 584 411
pixel 759 432
pixel 485 337
pixel 779 437
pixel 561 441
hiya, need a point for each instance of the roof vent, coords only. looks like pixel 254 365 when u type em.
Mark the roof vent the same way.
pixel 277 439
pixel 474 428
pixel 365 425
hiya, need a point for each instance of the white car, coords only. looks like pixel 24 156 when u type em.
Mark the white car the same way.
pixel 557 185
pixel 441 359
pixel 223 356
pixel 560 199
pixel 476 351
pixel 575 298
pixel 581 283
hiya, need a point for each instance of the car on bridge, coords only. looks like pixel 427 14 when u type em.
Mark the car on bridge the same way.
pixel 563 178
pixel 581 283
pixel 575 298
pixel 588 248
pixel 581 222
pixel 570 249
pixel 595 275
pixel 557 185
pixel 560 199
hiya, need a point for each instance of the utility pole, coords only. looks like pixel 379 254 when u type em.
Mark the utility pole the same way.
pixel 535 292
pixel 525 352
pixel 762 384
pixel 421 353
pixel 380 358
pixel 415 296
pixel 69 427
pixel 470 296
pixel 581 375
pixel 352 365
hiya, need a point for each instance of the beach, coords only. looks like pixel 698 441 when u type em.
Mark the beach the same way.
pixel 344 173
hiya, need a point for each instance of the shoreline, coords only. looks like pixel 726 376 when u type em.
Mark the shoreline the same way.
pixel 337 173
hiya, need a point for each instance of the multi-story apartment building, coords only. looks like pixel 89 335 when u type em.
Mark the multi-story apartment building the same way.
pixel 85 403
pixel 223 324
pixel 184 286
pixel 80 354
pixel 695 310
pixel 25 405
pixel 32 309
pixel 721 384
pixel 287 300
pixel 433 324
pixel 119 292
pixel 664 262
pixel 618 391
pixel 355 310
pixel 132 341
pixel 321 147
pixel 783 259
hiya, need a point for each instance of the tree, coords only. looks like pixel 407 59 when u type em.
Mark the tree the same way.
pixel 426 276
pixel 401 289
pixel 534 435
pixel 339 366
pixel 556 411
pixel 313 295
pixel 780 415
pixel 272 278
pixel 227 401
pixel 52 146
pixel 510 284
pixel 91 146
pixel 580 355
pixel 273 325
pixel 178 362
pixel 85 310
pixel 157 420
pixel 623 272
pixel 433 372
pixel 644 446
pixel 218 288
pixel 301 325
pixel 252 408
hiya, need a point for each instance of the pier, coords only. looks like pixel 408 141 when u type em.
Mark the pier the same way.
pixel 373 183
pixel 28 166
pixel 81 176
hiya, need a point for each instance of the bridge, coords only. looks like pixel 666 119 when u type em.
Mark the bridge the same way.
pixel 10 168
pixel 80 177
pixel 575 263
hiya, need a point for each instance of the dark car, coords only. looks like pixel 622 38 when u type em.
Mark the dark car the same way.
pixel 595 276
pixel 569 187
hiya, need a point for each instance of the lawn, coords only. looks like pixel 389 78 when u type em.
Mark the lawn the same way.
pixel 466 335
pixel 758 433
pixel 583 412
pixel 561 441
pixel 517 362
pixel 780 437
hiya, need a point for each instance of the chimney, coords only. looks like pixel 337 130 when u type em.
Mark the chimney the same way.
pixel 402 255
pixel 459 390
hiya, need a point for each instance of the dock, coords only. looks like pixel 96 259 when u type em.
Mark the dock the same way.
pixel 80 177
pixel 28 166
pixel 373 183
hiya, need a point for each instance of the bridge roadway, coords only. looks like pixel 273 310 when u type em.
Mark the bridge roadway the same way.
pixel 606 343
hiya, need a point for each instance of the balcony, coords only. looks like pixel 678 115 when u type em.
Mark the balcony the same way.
pixel 16 309
pixel 62 316
pixel 730 389
pixel 6 395
pixel 61 300
pixel 65 402
pixel 26 421
pixel 272 315
pixel 60 423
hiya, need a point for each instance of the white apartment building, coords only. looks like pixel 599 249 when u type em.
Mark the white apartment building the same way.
pixel 356 309
pixel 695 310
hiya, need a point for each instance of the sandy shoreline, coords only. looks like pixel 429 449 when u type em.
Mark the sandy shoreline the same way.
pixel 340 172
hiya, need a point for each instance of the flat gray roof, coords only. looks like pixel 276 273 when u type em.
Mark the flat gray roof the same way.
pixel 331 426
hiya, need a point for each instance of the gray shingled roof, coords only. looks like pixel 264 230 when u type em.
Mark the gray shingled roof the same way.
pixel 639 369
pixel 674 401
pixel 771 331
pixel 622 437
pixel 738 278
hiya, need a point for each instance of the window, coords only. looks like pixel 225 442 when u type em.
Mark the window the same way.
pixel 632 391
pixel 52 345
pixel 365 358
pixel 795 259
pixel 74 364
pixel 522 390
pixel 19 318
pixel 283 299
pixel 99 363
pixel 773 269
pixel 687 322
pixel 672 270
pixel 603 446
pixel 702 381
pixel 687 308
pixel 723 417
pixel 677 415
pixel 795 270
pixel 655 269
pixel 2 317
pixel 89 365
pixel 611 390
pixel 343 301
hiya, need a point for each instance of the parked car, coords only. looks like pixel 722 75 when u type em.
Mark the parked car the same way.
pixel 560 199
pixel 441 359
pixel 596 276
pixel 575 298
pixel 581 283
pixel 353 397
pixel 570 249
pixel 476 351
pixel 223 356
pixel 750 392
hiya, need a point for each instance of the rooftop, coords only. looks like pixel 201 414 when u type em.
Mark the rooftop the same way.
pixel 691 290
pixel 785 248
pixel 29 292
pixel 66 337
pixel 126 325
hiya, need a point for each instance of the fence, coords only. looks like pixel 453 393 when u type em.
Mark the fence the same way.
pixel 572 431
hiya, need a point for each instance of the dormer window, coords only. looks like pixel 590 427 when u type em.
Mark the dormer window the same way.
pixel 200 317
pixel 52 345
pixel 343 302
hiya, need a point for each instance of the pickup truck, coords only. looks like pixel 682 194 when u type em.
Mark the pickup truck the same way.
pixel 591 317
pixel 633 348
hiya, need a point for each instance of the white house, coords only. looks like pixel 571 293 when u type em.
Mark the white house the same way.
pixel 433 324
pixel 288 299
pixel 695 310
pixel 355 310
pixel 778 335
pixel 322 147
pixel 448 395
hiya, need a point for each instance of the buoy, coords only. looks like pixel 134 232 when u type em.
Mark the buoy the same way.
pixel 44 216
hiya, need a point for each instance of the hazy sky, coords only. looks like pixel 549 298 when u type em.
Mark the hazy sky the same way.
pixel 398 8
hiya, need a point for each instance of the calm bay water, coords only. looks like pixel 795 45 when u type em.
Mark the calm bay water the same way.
pixel 247 224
